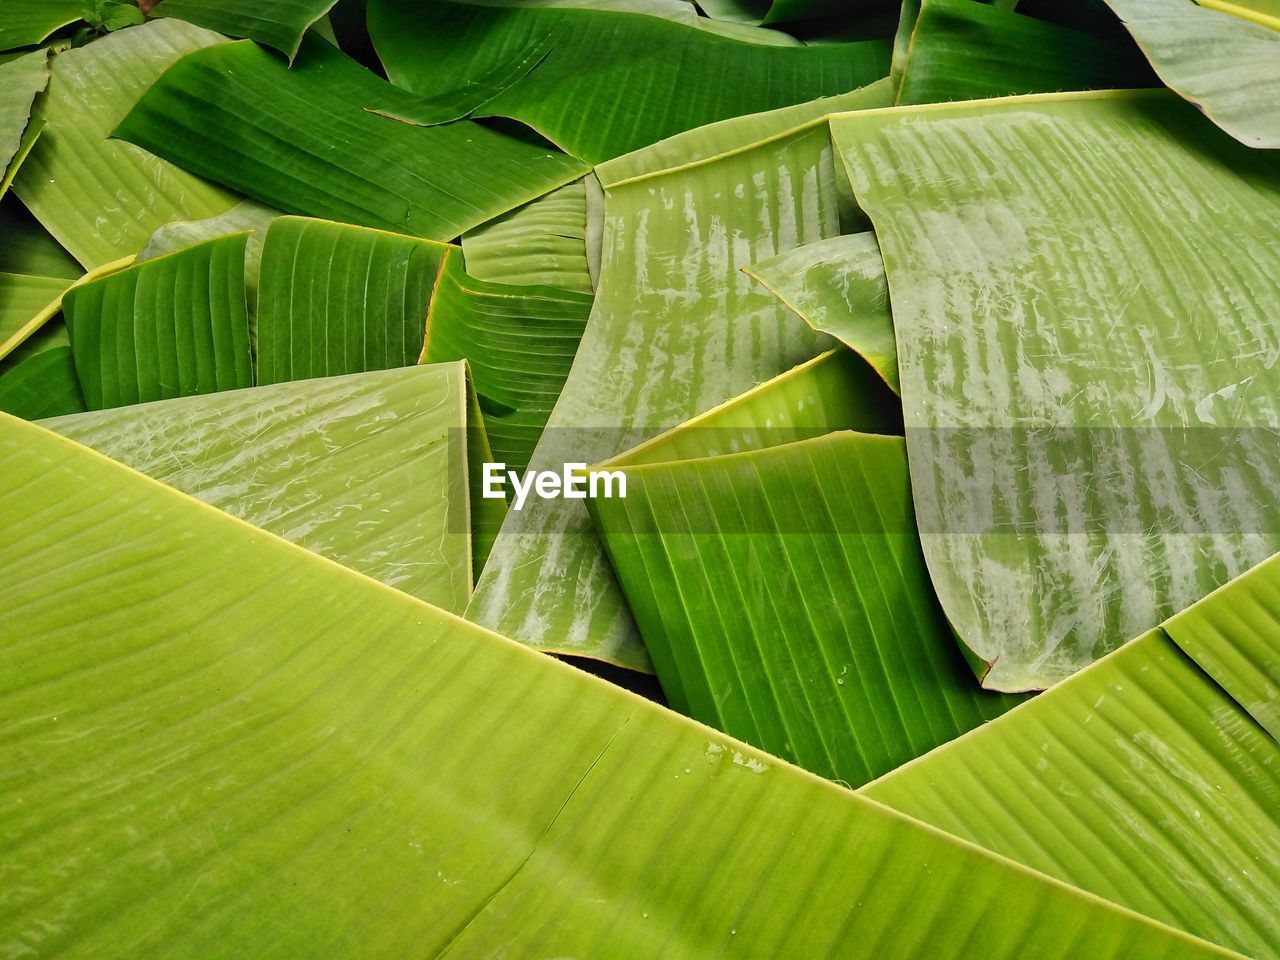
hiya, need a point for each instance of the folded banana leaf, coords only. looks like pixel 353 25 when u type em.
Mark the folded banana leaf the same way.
pixel 301 139
pixel 673 308
pixel 217 740
pixel 385 495
pixel 1223 57
pixel 280 24
pixel 519 340
pixel 1139 779
pixel 670 76
pixel 1088 454
pixel 780 588
pixel 102 199
pixel 838 287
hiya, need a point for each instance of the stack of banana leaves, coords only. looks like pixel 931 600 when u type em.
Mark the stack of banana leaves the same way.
pixel 626 479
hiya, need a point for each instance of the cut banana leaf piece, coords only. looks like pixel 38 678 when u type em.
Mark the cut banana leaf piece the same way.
pixel 102 199
pixel 673 308
pixel 300 139
pixel 542 243
pixel 968 49
pixel 363 469
pixel 476 91
pixel 245 217
pixel 804 620
pixel 170 327
pixel 24 23
pixel 1223 57
pixel 1168 785
pixel 334 299
pixel 26 144
pixel 1088 456
pixel 1234 636
pixel 280 24
pixel 704 144
pixel 838 287
pixel 520 342
pixel 28 303
pixel 25 304
pixel 671 75
pixel 20 81
pixel 370 740
pixel 834 391
pixel 38 379
pixel 681 11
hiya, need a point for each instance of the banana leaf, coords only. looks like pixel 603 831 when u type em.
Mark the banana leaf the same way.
pixel 477 91
pixel 1088 455
pixel 26 144
pixel 681 11
pixel 28 303
pixel 1138 779
pixel 779 11
pixel 28 249
pixel 908 18
pixel 968 50
pixel 21 80
pixel 543 243
pixel 1231 635
pixel 334 299
pixel 218 740
pixel 24 23
pixel 803 619
pixel 23 298
pixel 38 379
pixel 301 139
pixel 275 23
pixel 245 217
pixel 1223 57
pixel 170 327
pixel 671 76
pixel 838 287
pixel 834 391
pixel 519 341
pixel 102 199
pixel 673 309
pixel 307 462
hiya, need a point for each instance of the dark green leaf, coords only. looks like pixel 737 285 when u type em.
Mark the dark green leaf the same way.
pixel 612 82
pixel 301 140
pixel 520 341
pixel 170 327
pixel 280 24
pixel 333 299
